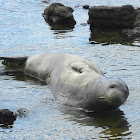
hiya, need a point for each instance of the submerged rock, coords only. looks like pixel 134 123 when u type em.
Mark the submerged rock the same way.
pixel 114 17
pixel 7 117
pixel 58 14
pixel 109 36
pixel 86 7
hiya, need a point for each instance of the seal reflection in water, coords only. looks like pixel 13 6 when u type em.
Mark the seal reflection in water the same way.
pixel 74 81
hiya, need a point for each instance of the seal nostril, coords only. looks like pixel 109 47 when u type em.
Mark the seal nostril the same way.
pixel 112 86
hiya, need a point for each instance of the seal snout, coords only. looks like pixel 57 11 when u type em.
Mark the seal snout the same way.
pixel 117 92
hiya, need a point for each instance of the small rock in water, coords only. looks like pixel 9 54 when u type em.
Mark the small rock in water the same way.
pixel 57 13
pixel 83 24
pixel 45 1
pixel 86 6
pixel 7 117
pixel 22 112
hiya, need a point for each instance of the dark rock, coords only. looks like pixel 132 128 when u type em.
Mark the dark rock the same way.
pixel 109 36
pixel 86 6
pixel 115 17
pixel 137 22
pixel 59 14
pixel 44 1
pixel 135 32
pixel 7 117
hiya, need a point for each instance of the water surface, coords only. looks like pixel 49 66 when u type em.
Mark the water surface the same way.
pixel 23 31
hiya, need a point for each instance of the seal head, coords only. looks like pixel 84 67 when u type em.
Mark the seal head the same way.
pixel 108 95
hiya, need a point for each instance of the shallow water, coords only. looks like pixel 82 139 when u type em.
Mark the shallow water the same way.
pixel 23 31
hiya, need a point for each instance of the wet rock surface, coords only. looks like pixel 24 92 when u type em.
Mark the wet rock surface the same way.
pixel 86 7
pixel 114 17
pixel 7 117
pixel 58 14
pixel 125 18
pixel 135 32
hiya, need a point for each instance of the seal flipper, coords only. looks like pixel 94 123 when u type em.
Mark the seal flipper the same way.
pixel 14 61
pixel 79 66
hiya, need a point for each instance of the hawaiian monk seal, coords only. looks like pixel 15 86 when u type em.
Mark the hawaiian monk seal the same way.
pixel 75 82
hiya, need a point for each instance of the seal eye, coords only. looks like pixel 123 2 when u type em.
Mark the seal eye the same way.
pixel 112 86
pixel 79 70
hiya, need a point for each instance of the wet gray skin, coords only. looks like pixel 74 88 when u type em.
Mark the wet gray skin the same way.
pixel 107 94
pixel 77 83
